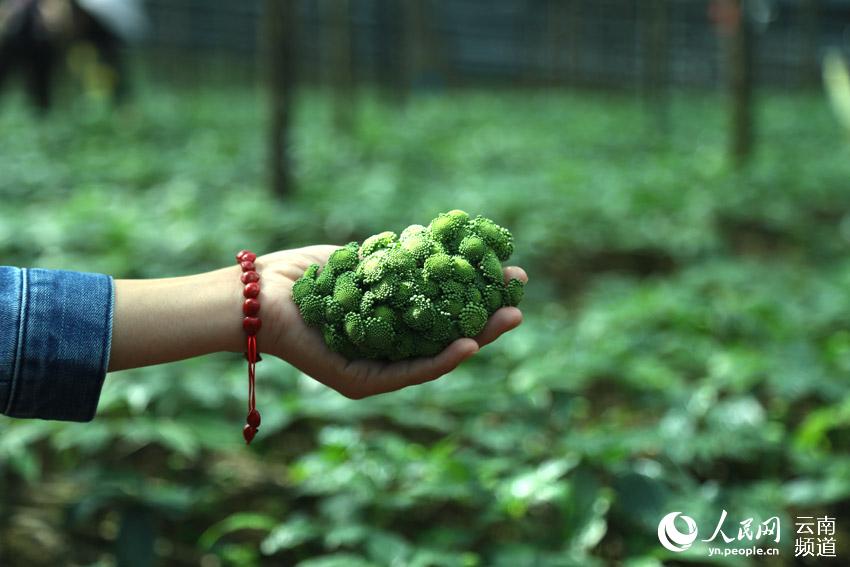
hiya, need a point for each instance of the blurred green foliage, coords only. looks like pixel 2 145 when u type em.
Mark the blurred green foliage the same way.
pixel 686 343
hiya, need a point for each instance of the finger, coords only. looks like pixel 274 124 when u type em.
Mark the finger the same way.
pixel 515 273
pixel 401 374
pixel 500 322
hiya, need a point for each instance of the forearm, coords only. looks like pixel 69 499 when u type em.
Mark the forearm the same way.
pixel 163 320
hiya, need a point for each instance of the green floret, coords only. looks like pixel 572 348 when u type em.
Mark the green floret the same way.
pixel 451 288
pixel 504 251
pixel 446 226
pixel 428 288
pixel 334 340
pixel 372 268
pixel 472 320
pixel 514 292
pixel 405 346
pixel 473 295
pixel 386 313
pixel 386 288
pixel 442 329
pixel 454 332
pixel 498 238
pixel 403 293
pixel 412 231
pixel 399 260
pixel 486 229
pixel 463 270
pixel 377 242
pixel 492 298
pixel 379 334
pixel 346 292
pixel 325 282
pixel 491 268
pixel 420 314
pixel 460 216
pixel 342 260
pixel 453 245
pixel 355 328
pixel 367 304
pixel 419 247
pixel 472 248
pixel 305 286
pixel 438 248
pixel 333 310
pixel 439 267
pixel 452 305
pixel 312 309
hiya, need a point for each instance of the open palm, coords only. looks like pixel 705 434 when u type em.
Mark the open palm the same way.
pixel 303 346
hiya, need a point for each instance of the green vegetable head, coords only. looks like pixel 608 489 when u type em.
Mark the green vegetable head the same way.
pixel 395 298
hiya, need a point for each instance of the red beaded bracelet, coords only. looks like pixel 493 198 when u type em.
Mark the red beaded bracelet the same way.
pixel 251 323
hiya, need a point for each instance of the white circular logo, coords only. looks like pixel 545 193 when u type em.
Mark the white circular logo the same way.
pixel 670 536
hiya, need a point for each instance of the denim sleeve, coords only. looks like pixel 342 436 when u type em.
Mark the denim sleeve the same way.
pixel 55 334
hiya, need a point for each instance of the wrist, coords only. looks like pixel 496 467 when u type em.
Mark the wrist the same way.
pixel 223 308
pixel 163 320
pixel 233 337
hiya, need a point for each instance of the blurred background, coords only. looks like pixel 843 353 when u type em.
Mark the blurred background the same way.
pixel 676 174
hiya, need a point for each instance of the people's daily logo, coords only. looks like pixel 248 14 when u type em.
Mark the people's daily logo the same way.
pixel 672 537
pixel 815 535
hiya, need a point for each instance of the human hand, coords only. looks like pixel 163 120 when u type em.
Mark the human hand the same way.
pixel 286 335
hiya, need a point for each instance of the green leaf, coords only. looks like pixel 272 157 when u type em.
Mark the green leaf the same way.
pixel 289 534
pixel 234 523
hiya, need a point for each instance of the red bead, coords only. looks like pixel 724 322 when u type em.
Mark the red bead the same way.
pixel 249 277
pixel 245 255
pixel 251 290
pixel 247 266
pixel 251 325
pixel 251 307
pixel 254 418
pixel 248 433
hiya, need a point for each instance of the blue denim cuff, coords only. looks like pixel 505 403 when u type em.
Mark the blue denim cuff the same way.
pixel 55 334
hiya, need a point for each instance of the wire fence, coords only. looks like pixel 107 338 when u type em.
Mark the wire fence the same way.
pixel 607 43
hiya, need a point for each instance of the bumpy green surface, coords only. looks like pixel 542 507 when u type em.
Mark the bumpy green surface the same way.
pixel 396 297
